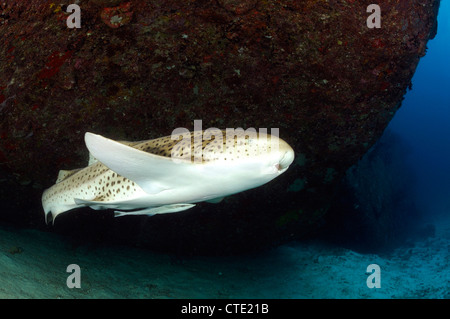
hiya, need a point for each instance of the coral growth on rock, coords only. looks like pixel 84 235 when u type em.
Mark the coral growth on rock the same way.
pixel 139 69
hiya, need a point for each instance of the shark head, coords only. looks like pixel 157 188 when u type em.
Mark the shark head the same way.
pixel 284 157
pixel 254 158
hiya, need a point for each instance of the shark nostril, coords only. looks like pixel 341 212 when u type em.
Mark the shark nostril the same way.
pixel 286 160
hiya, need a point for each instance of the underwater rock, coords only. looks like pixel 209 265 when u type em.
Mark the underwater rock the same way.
pixel 15 250
pixel 117 16
pixel 313 69
pixel 373 211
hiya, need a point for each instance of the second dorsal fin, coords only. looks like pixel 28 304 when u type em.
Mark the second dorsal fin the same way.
pixel 63 174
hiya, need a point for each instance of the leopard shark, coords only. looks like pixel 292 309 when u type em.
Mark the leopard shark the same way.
pixel 167 174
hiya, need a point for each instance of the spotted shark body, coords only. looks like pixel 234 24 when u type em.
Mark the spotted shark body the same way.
pixel 166 175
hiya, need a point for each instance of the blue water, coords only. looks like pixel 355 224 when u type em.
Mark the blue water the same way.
pixel 424 120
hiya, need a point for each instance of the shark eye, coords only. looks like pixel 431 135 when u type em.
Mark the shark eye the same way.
pixel 278 166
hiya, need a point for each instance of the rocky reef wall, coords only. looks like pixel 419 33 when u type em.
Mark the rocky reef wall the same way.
pixel 139 69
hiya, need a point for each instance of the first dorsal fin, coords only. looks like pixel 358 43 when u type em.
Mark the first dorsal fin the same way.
pixel 64 174
pixel 92 160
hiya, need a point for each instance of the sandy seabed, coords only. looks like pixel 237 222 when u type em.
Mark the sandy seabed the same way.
pixel 33 264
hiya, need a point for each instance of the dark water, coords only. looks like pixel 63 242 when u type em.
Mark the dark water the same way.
pixel 424 121
pixel 33 264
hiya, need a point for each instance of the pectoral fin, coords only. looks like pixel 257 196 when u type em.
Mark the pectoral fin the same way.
pixel 151 172
pixel 93 160
pixel 96 203
pixel 174 208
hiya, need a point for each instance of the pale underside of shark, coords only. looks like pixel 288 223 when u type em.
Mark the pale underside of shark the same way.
pixel 155 176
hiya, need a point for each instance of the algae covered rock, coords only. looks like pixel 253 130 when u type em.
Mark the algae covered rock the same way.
pixel 139 69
